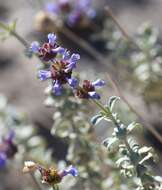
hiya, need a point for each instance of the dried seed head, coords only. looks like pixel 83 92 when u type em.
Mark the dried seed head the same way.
pixel 29 166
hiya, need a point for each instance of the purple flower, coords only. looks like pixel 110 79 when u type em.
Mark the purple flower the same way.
pixel 59 49
pixel 74 58
pixel 61 70
pixel 73 82
pixel 98 83
pixel 91 13
pixel 94 95
pixel 82 8
pixel 47 51
pixel 72 62
pixel 74 17
pixel 52 8
pixel 66 55
pixel 10 137
pixel 51 39
pixel 35 47
pixel 7 148
pixel 86 7
pixel 57 88
pixel 70 170
pixel 88 89
pixel 44 75
pixel 3 159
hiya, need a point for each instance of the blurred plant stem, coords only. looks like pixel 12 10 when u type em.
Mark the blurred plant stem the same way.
pixel 141 119
pixel 13 33
pixel 123 31
pixel 36 182
pixel 55 187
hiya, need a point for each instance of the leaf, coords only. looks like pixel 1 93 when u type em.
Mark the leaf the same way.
pixel 111 143
pixel 96 119
pixel 107 119
pixel 12 26
pixel 133 126
pixel 147 158
pixel 122 161
pixel 54 187
pixel 112 101
pixel 158 179
pixel 145 150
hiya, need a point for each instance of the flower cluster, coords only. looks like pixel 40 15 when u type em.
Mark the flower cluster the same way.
pixel 7 149
pixel 60 71
pixel 75 11
pixel 51 175
pixel 49 50
pixel 88 89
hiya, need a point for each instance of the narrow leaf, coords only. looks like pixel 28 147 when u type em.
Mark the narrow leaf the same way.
pixel 96 119
pixel 112 101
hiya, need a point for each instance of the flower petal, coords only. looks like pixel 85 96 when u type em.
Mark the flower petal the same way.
pixel 73 82
pixel 70 170
pixel 59 49
pixel 98 83
pixel 57 88
pixel 3 159
pixel 52 8
pixel 74 58
pixel 35 47
pixel 94 95
pixel 44 75
pixel 52 38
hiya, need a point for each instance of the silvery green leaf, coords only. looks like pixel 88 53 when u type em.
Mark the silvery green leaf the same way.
pixel 158 179
pixel 3 102
pixel 112 101
pixel 25 132
pixel 12 26
pixel 96 119
pixel 115 115
pixel 149 156
pixel 133 126
pixel 122 161
pixel 107 119
pixel 49 101
pixel 35 141
pixel 53 130
pixel 111 143
pixel 145 150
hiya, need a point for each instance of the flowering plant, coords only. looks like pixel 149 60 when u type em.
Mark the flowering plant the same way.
pixel 128 156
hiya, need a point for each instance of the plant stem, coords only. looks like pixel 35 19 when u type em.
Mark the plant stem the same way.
pixel 123 31
pixel 55 187
pixel 36 182
pixel 125 141
pixel 18 37
pixel 107 112
pixel 141 119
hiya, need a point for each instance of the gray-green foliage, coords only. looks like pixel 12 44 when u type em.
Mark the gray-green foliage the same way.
pixel 30 145
pixel 71 123
pixel 132 159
